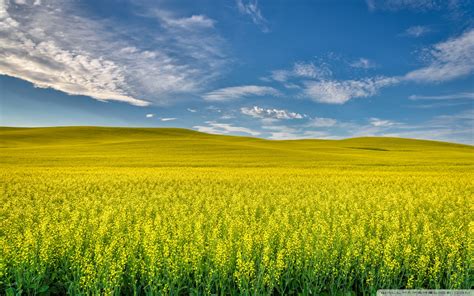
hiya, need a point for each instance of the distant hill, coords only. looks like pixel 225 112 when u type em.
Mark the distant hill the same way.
pixel 149 147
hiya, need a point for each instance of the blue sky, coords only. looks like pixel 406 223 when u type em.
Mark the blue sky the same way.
pixel 271 69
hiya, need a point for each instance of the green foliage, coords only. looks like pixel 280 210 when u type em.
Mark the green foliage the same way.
pixel 89 210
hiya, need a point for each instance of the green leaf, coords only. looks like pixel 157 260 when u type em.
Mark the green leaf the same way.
pixel 43 289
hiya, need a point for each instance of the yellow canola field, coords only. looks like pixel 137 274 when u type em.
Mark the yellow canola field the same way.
pixel 229 229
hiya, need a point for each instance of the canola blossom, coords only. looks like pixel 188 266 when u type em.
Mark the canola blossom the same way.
pixel 109 224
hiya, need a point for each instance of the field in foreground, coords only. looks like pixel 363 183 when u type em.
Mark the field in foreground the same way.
pixel 150 211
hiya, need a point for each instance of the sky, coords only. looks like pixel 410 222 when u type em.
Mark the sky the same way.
pixel 272 69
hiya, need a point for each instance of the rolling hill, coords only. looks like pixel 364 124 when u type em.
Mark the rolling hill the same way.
pixel 162 147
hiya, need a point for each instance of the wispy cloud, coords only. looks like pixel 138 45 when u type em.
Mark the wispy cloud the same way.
pixel 339 92
pixel 191 110
pixel 448 60
pixel 93 58
pixel 283 132
pixel 363 63
pixel 168 119
pixel 305 70
pixel 284 136
pixel 450 119
pixel 457 127
pixel 250 8
pixel 440 104
pixel 227 117
pixel 213 109
pixel 417 31
pixel 150 115
pixel 213 127
pixel 321 122
pixel 382 122
pixel 422 5
pixel 280 128
pixel 189 23
pixel 277 114
pixel 456 96
pixel 237 92
pixel 302 70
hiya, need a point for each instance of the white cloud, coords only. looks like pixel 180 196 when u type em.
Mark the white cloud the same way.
pixel 237 92
pixel 442 104
pixel 421 5
pixel 191 110
pixel 227 117
pixel 316 134
pixel 322 122
pixel 263 113
pixel 457 127
pixel 305 70
pixel 297 135
pixel 456 96
pixel 283 132
pixel 363 63
pixel 284 136
pixel 168 119
pixel 302 70
pixel 280 128
pixel 339 92
pixel 291 86
pixel 189 23
pixel 280 75
pixel 381 122
pixel 213 109
pixel 417 31
pixel 150 115
pixel 251 9
pixel 224 128
pixel 449 60
pixel 448 120
pixel 90 57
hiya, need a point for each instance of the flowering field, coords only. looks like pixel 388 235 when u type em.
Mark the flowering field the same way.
pixel 142 211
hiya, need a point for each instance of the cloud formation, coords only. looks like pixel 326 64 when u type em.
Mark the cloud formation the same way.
pixel 283 132
pixel 89 57
pixel 302 70
pixel 339 92
pixel 277 114
pixel 451 59
pixel 448 60
pixel 456 96
pixel 224 128
pixel 381 122
pixel 421 5
pixel 322 122
pixel 250 8
pixel 237 92
pixel 457 127
pixel 417 31
pixel 189 23
pixel 363 63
